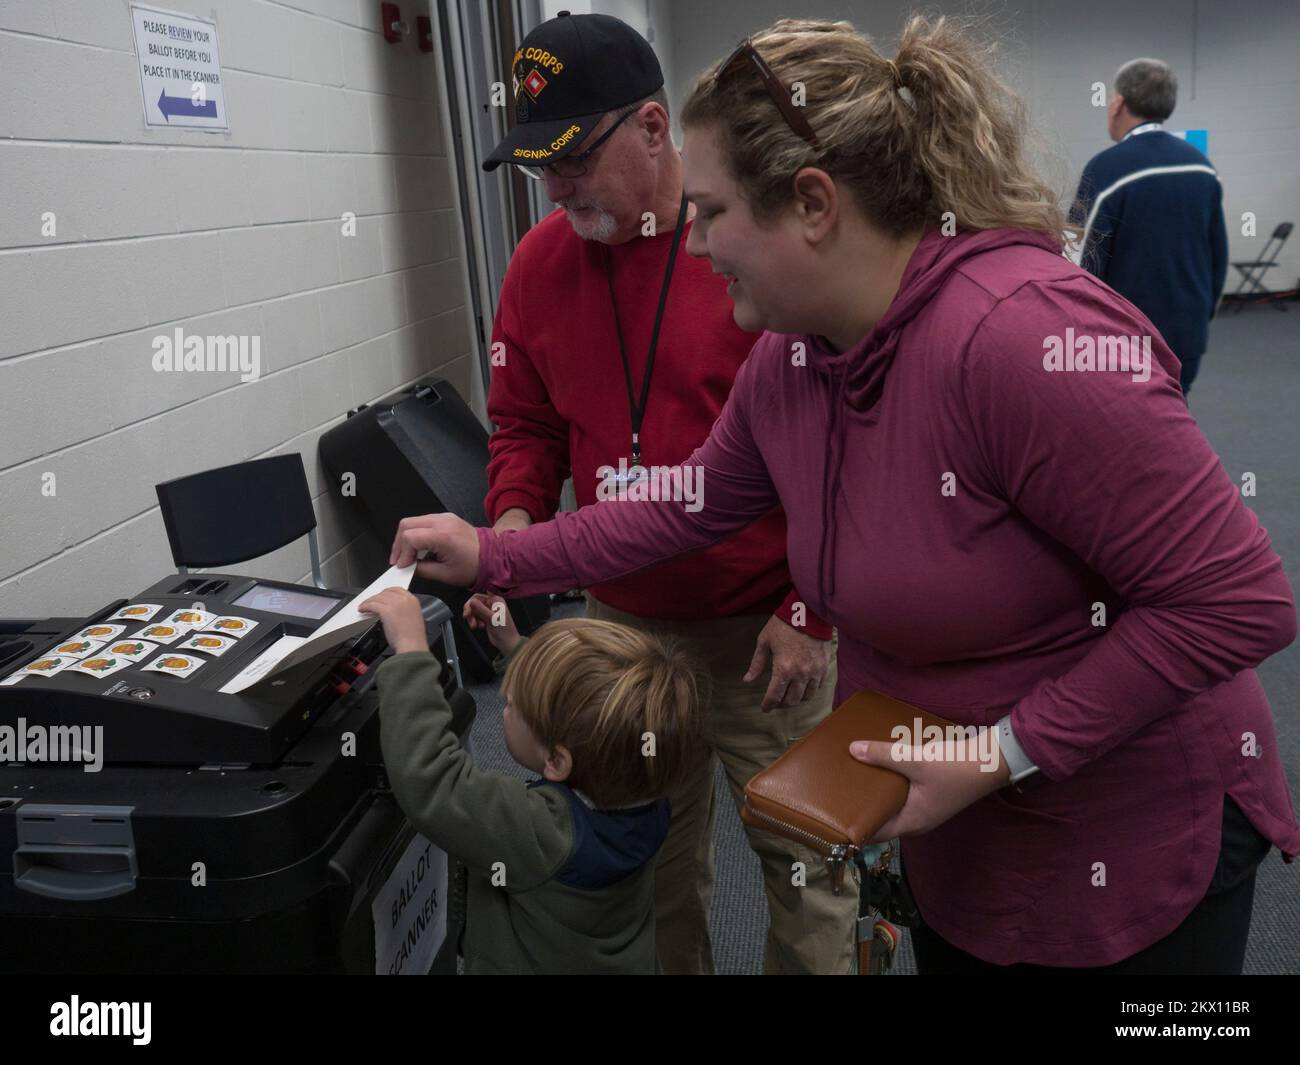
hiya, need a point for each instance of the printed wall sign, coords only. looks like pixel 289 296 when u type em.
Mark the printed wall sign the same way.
pixel 180 70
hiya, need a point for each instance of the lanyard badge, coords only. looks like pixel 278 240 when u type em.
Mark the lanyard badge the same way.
pixel 623 475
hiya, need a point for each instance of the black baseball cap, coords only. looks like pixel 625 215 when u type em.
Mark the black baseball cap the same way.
pixel 568 73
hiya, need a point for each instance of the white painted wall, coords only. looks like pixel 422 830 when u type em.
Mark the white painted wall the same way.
pixel 235 233
pixel 1235 61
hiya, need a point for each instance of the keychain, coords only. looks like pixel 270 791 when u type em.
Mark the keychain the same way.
pixel 884 904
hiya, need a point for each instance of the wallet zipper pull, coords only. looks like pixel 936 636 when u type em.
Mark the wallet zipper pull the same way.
pixel 835 865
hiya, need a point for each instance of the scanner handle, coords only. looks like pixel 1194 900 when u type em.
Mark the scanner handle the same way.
pixel 77 874
pixel 74 852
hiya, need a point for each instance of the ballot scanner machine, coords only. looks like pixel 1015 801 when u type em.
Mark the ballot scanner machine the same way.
pixel 223 831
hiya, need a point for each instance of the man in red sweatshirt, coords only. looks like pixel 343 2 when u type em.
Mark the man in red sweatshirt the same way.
pixel 612 353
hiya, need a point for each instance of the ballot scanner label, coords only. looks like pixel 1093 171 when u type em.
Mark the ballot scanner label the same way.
pixel 410 912
pixel 263 665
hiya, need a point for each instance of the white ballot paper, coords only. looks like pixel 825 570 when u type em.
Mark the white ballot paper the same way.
pixel 348 622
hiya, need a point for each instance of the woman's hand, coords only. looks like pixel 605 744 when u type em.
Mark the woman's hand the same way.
pixel 451 546
pixel 944 779
pixel 399 610
pixel 799 663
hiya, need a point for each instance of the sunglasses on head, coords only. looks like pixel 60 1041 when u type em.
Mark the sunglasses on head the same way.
pixel 747 55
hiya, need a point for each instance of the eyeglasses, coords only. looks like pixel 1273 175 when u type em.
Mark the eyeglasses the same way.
pixel 572 166
pixel 780 95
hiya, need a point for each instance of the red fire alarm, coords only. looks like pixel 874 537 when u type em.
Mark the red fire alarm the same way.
pixel 390 18
pixel 424 32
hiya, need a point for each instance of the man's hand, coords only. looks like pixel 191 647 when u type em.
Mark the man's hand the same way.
pixel 492 614
pixel 799 663
pixel 399 610
pixel 451 546
pixel 513 519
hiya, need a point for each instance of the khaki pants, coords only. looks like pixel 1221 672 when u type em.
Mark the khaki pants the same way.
pixel 810 930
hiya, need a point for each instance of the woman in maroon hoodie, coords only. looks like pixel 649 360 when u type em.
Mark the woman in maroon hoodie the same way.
pixel 993 489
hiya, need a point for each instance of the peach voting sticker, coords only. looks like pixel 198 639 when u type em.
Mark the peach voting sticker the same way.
pixel 162 633
pixel 78 648
pixel 232 626
pixel 207 642
pixel 191 619
pixel 131 650
pixel 137 612
pixel 47 665
pixel 99 665
pixel 100 632
pixel 176 664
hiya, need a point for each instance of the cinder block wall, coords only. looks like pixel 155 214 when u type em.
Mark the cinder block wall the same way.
pixel 218 234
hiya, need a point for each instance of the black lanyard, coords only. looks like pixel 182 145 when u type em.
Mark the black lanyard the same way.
pixel 638 409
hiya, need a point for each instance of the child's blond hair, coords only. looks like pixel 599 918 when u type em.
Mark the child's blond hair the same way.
pixel 626 704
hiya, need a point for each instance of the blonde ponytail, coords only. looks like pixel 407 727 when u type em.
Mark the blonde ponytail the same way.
pixel 930 136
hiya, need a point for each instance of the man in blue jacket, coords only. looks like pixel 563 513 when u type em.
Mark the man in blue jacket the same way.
pixel 1152 212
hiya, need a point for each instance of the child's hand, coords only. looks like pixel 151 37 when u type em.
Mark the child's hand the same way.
pixel 399 610
pixel 490 613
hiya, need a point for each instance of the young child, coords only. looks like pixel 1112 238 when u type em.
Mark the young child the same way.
pixel 561 870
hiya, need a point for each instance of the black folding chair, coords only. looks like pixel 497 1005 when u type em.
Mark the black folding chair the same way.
pixel 1249 277
pixel 234 513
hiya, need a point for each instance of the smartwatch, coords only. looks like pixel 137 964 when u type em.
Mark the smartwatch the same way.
pixel 1017 761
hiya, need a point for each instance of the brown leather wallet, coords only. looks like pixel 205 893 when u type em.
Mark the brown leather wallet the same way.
pixel 821 796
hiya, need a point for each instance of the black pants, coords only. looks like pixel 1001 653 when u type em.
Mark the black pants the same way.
pixel 1210 941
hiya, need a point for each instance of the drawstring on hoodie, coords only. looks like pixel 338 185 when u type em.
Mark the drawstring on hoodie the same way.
pixel 830 478
pixel 858 375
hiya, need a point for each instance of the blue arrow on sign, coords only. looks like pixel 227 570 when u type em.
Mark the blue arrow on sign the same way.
pixel 183 105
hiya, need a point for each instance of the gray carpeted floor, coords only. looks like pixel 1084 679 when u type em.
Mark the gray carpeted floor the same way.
pixel 1246 400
